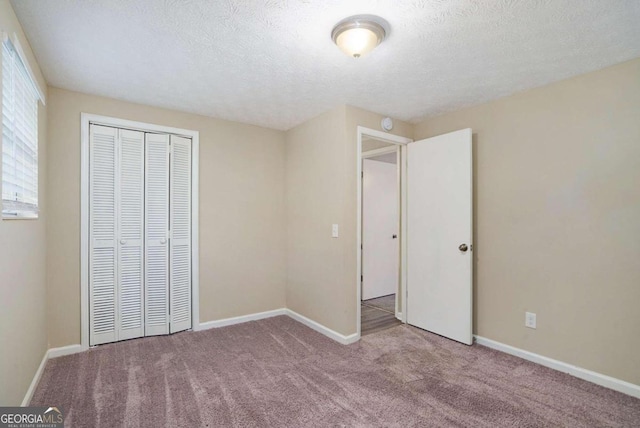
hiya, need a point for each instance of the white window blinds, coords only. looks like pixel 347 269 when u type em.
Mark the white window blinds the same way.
pixel 19 138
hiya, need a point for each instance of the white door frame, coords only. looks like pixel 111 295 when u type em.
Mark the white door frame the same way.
pixel 402 169
pixel 85 120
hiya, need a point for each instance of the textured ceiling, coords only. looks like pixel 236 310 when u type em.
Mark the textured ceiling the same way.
pixel 272 62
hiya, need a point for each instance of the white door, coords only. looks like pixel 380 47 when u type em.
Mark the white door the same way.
pixel 140 234
pixel 380 250
pixel 157 235
pixel 439 235
pixel 180 237
pixel 131 230
pixel 116 234
pixel 102 234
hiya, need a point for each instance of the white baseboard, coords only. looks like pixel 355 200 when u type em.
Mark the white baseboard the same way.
pixel 340 338
pixel 399 316
pixel 345 340
pixel 588 375
pixel 50 353
pixel 241 319
pixel 64 350
pixel 34 383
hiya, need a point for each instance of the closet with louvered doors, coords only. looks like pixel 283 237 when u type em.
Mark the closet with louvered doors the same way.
pixel 139 233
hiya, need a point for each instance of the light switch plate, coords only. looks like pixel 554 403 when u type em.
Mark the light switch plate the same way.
pixel 334 231
pixel 530 319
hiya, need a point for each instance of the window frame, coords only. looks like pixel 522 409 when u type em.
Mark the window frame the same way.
pixel 31 92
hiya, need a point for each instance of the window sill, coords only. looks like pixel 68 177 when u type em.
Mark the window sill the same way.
pixel 20 217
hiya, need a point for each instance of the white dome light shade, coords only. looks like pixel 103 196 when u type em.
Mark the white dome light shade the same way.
pixel 357 36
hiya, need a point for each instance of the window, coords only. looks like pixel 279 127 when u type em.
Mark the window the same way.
pixel 19 137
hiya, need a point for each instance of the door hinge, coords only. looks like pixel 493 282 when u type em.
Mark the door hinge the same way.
pixel 362 174
pixel 361 278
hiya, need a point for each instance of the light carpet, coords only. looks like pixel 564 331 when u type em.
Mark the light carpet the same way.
pixel 277 372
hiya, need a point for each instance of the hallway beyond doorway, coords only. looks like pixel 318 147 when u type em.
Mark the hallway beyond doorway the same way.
pixel 378 314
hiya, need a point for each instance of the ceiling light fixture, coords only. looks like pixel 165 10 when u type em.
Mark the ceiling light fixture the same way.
pixel 358 35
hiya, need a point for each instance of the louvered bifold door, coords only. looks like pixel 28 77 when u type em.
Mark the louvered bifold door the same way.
pixel 157 230
pixel 102 234
pixel 180 242
pixel 131 231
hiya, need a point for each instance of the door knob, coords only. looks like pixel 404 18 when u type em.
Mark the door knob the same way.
pixel 163 241
pixel 123 241
pixel 394 237
pixel 463 247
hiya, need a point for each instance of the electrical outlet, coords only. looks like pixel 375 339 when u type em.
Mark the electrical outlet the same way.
pixel 530 319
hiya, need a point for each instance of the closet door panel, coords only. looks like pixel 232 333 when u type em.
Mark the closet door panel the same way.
pixel 140 234
pixel 131 227
pixel 157 227
pixel 180 220
pixel 102 235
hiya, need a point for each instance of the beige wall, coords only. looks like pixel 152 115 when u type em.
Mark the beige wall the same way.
pixel 558 218
pixel 242 227
pixel 314 199
pixel 23 333
pixel 321 190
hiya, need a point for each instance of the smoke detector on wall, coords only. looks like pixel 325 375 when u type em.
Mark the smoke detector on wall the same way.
pixel 387 124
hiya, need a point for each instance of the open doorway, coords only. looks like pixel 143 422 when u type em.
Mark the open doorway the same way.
pixel 434 244
pixel 380 288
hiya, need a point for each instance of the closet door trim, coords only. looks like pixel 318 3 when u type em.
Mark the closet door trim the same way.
pixel 85 120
